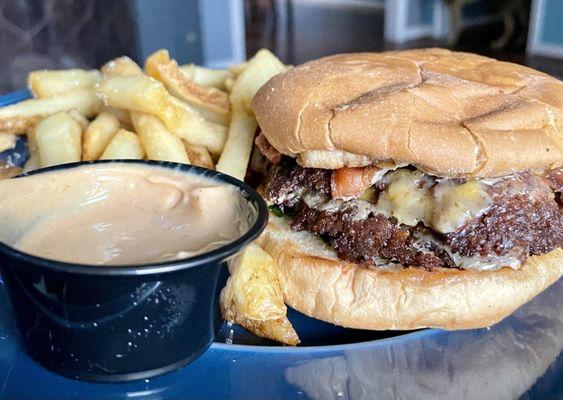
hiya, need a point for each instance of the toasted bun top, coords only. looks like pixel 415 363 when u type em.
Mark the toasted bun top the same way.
pixel 448 113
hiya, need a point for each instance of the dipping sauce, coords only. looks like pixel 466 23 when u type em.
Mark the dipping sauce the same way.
pixel 120 214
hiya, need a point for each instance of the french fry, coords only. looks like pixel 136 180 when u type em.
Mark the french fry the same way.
pixel 8 171
pixel 58 140
pixel 229 83
pixel 144 94
pixel 33 161
pixel 124 145
pixel 121 66
pixel 7 142
pixel 98 135
pixel 210 102
pixel 236 69
pixel 159 143
pixel 253 297
pixel 236 154
pixel 81 119
pixel 199 156
pixel 254 286
pixel 258 71
pixel 49 83
pixel 206 76
pixel 121 114
pixel 281 330
pixel 21 117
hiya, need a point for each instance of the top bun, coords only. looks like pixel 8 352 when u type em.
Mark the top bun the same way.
pixel 448 113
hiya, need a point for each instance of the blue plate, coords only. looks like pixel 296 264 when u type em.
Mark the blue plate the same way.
pixel 521 355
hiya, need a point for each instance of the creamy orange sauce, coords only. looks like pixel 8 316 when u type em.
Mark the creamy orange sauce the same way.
pixel 118 214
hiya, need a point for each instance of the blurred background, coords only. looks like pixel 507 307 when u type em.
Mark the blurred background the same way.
pixel 37 34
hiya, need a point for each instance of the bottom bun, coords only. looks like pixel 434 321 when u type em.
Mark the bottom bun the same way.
pixel 318 284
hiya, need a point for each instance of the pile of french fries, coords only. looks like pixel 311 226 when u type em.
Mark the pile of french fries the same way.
pixel 164 111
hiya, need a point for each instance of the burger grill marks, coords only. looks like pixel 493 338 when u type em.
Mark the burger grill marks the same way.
pixel 418 220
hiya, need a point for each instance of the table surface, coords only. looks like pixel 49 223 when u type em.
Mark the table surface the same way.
pixel 517 358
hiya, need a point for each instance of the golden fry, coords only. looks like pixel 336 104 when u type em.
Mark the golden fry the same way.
pixel 258 71
pixel 206 76
pixel 21 117
pixel 121 66
pixel 199 156
pixel 124 145
pixel 236 69
pixel 7 171
pixel 253 297
pixel 7 141
pixel 210 102
pixel 159 143
pixel 229 83
pixel 236 154
pixel 33 161
pixel 281 330
pixel 254 286
pixel 81 119
pixel 58 139
pixel 144 94
pixel 98 135
pixel 121 114
pixel 49 83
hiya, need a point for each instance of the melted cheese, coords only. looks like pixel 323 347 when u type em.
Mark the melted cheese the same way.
pixel 445 207
pixel 406 197
pixel 453 205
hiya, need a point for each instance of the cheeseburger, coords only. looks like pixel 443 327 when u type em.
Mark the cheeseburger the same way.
pixel 412 189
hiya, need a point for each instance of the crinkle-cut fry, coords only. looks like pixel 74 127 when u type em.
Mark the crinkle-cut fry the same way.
pixel 210 102
pixel 49 83
pixel 147 95
pixel 125 145
pixel 98 135
pixel 21 117
pixel 158 142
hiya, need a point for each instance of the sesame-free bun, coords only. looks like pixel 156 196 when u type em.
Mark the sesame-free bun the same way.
pixel 318 284
pixel 448 113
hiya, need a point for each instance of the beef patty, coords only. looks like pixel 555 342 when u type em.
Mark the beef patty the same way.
pixel 373 240
pixel 524 219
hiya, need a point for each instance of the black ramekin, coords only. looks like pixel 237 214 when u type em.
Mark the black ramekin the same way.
pixel 121 323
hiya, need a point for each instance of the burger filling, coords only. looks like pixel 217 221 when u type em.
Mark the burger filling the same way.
pixel 381 216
